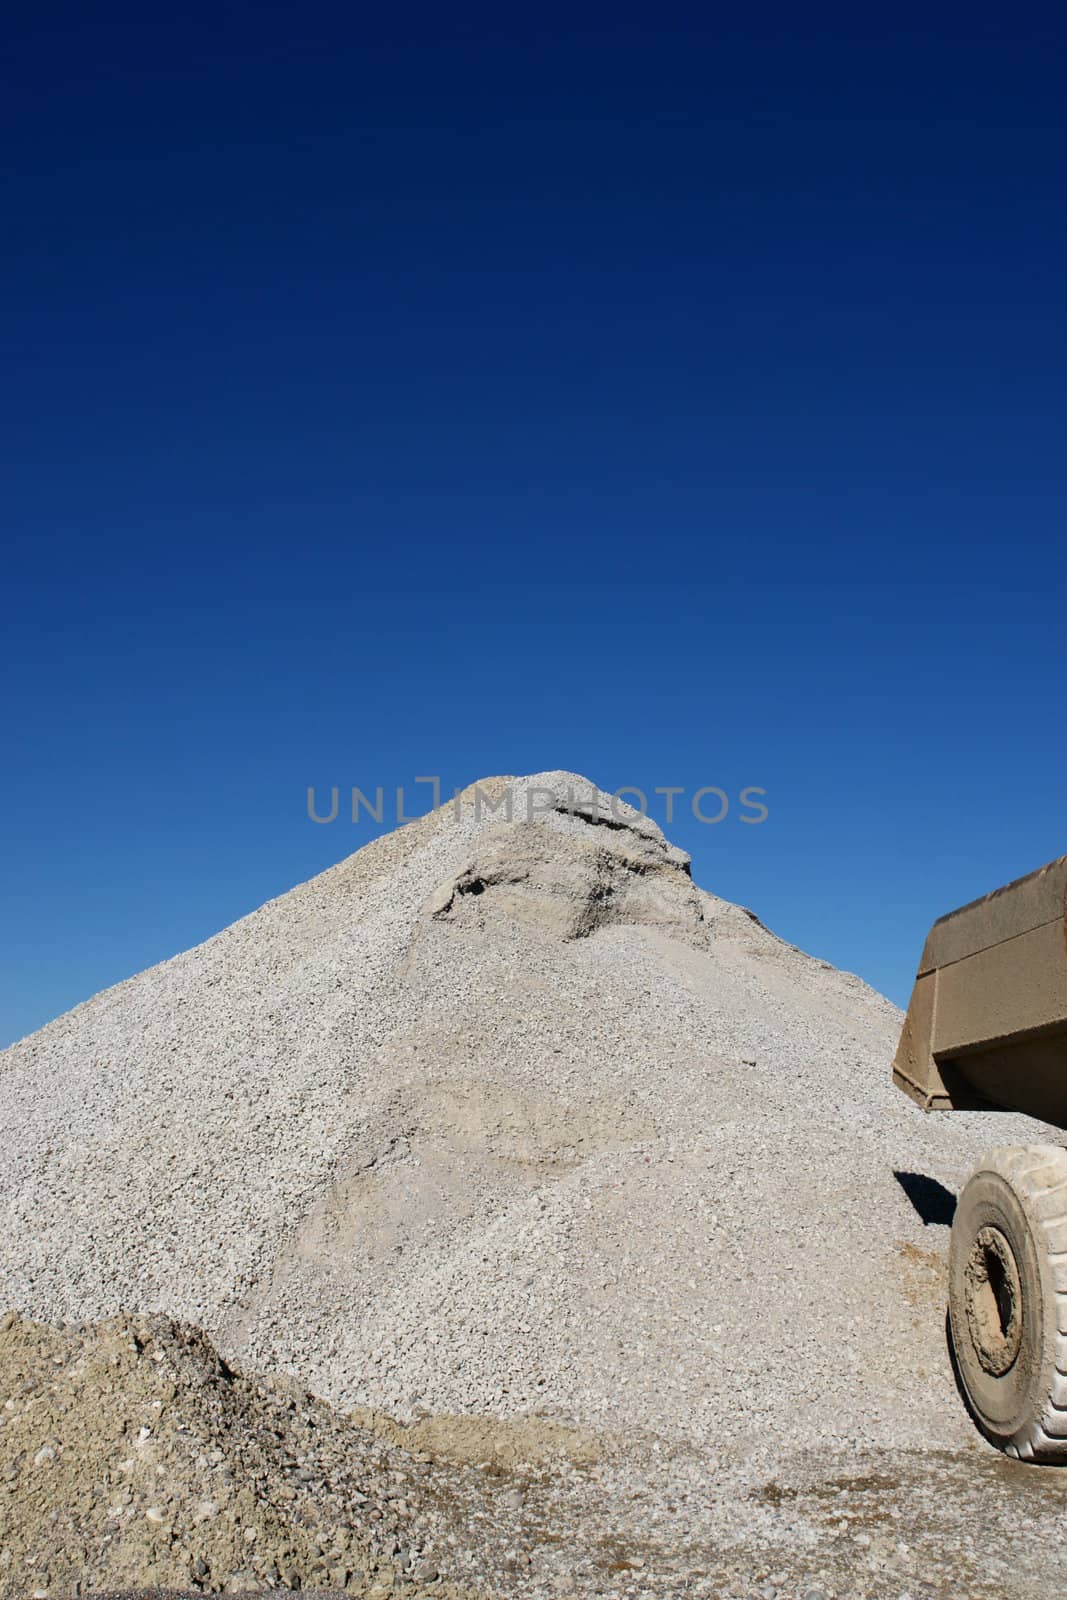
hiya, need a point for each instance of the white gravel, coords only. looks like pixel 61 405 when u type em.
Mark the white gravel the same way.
pixel 505 1118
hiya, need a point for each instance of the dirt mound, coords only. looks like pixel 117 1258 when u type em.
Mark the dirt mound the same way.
pixel 502 1116
pixel 502 1119
pixel 132 1455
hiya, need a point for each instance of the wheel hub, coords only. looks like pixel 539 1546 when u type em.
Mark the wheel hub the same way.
pixel 994 1301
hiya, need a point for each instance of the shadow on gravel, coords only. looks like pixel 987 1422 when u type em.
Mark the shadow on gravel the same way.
pixel 935 1204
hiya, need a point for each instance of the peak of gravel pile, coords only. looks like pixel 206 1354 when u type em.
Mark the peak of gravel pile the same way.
pixel 503 1117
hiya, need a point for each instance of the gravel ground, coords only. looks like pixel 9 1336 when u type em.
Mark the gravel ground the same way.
pixel 509 1122
pixel 132 1460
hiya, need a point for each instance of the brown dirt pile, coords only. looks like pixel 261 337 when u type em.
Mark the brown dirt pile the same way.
pixel 130 1454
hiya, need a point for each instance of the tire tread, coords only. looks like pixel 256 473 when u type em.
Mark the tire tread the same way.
pixel 1038 1175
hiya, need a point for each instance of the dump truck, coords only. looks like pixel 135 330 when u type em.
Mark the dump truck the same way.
pixel 986 1029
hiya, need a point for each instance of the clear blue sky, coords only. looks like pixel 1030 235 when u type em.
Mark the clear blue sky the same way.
pixel 677 396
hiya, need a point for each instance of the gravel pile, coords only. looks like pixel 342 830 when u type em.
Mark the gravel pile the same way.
pixel 506 1119
pixel 131 1454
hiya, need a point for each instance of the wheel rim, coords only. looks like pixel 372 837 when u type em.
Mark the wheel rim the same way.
pixel 994 1298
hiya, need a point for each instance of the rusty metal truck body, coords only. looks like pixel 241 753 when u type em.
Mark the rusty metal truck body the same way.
pixel 987 1023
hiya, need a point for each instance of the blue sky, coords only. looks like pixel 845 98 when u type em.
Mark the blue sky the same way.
pixel 676 397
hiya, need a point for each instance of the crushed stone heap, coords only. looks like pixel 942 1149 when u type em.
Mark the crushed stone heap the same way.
pixel 504 1118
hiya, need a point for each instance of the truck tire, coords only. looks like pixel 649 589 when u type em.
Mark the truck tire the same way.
pixel 1008 1299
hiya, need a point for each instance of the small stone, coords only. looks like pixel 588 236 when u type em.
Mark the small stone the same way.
pixel 242 1582
pixel 154 1514
pixel 46 1453
pixel 200 1567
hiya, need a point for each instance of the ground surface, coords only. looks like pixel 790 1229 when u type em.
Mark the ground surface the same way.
pixel 587 1195
pixel 132 1454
